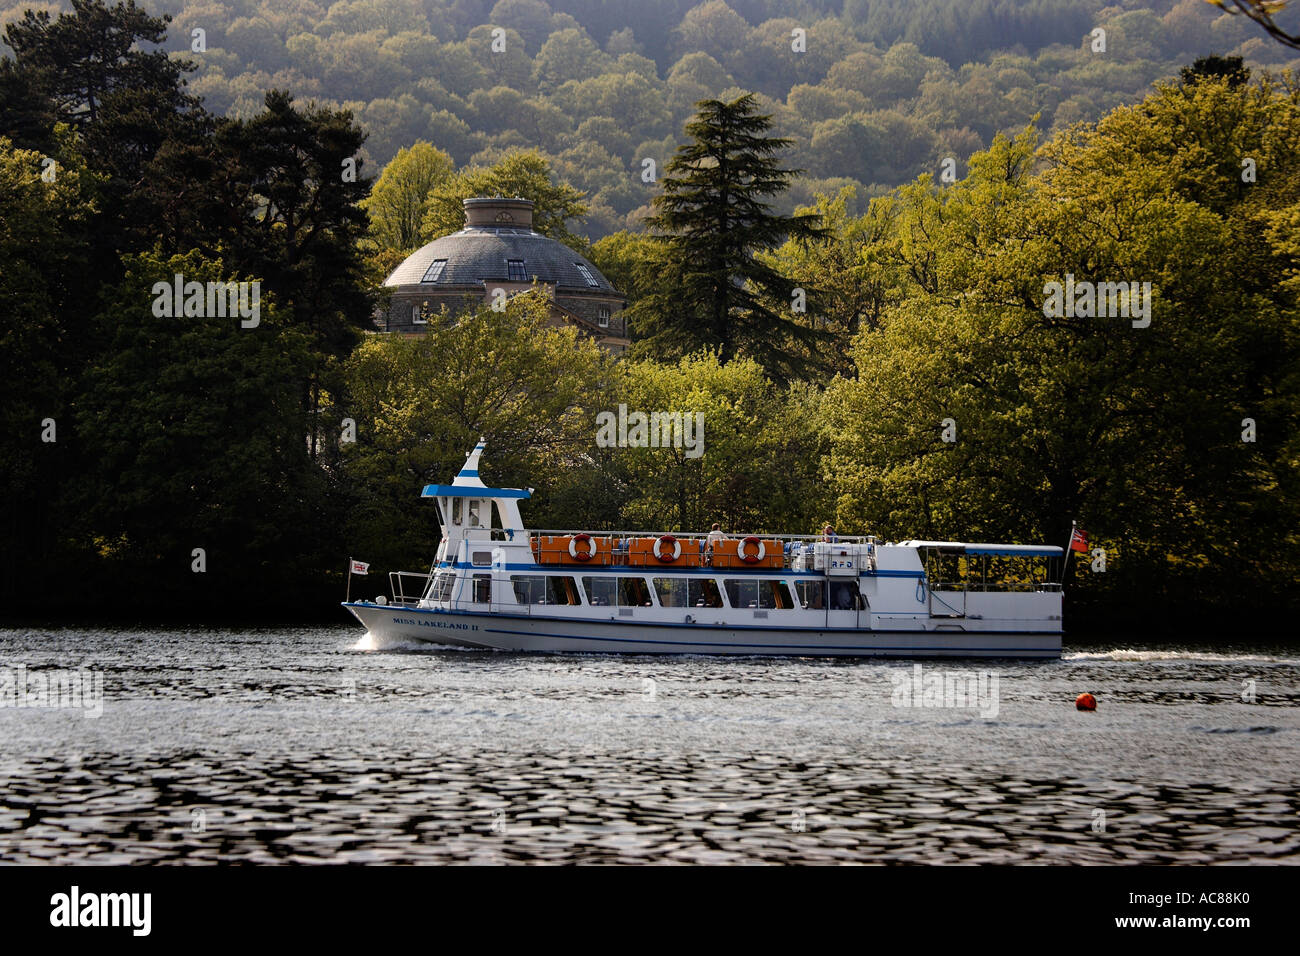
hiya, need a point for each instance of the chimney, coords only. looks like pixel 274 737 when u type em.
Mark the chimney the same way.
pixel 498 211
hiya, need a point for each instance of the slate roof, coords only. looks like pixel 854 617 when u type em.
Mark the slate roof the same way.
pixel 480 252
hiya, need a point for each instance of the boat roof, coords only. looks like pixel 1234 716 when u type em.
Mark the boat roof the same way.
pixel 467 483
pixel 453 491
pixel 963 547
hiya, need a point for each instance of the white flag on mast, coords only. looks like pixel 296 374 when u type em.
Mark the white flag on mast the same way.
pixel 359 567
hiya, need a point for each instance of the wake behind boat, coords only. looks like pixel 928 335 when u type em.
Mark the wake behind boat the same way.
pixel 495 584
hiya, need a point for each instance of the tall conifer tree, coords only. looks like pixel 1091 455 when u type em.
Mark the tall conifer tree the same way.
pixel 708 288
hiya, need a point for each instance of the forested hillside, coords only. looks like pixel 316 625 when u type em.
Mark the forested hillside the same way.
pixel 882 92
pixel 869 342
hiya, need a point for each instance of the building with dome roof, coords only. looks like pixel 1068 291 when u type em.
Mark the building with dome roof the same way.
pixel 499 250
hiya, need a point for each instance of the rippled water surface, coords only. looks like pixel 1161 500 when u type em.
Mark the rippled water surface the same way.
pixel 284 745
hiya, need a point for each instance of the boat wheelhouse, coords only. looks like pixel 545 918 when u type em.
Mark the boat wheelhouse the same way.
pixel 495 584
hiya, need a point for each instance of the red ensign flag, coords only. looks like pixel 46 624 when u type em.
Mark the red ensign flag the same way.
pixel 1079 540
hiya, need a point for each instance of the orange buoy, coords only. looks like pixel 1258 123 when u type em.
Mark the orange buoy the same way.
pixel 1085 702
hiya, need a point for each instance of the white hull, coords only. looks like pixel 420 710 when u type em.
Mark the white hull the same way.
pixel 509 632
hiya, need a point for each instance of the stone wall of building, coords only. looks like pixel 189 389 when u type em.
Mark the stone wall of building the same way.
pixel 590 308
pixel 398 317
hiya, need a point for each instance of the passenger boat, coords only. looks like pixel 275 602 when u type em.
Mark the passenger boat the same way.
pixel 496 584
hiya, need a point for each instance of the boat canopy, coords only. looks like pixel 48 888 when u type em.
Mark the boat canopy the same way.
pixel 962 547
pixel 467 483
pixel 460 491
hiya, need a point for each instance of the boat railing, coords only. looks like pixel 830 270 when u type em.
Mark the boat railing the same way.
pixel 621 552
pixel 397 581
pixel 1030 586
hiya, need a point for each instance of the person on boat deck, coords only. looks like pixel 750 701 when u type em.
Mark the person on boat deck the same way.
pixel 715 537
pixel 828 534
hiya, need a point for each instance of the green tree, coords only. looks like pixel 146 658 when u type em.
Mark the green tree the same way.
pixel 91 54
pixel 420 403
pixel 98 69
pixel 1230 68
pixel 567 55
pixel 754 465
pixel 532 18
pixel 627 260
pixel 504 67
pixel 856 277
pixel 522 173
pixel 301 184
pixel 46 230
pixel 1136 431
pixel 191 436
pixel 400 198
pixel 295 183
pixel 631 97
pixel 27 111
pixel 362 16
pixel 712 217
pixel 713 28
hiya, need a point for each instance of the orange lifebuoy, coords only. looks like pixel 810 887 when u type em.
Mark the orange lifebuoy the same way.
pixel 750 558
pixel 573 547
pixel 667 540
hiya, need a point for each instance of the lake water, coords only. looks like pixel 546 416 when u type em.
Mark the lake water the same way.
pixel 283 745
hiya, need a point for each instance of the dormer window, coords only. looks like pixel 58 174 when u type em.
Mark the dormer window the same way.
pixel 515 270
pixel 586 274
pixel 434 272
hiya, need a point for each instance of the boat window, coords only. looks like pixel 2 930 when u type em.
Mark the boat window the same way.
pixel 617 592
pixel 633 592
pixel 1011 573
pixel 673 592
pixel 754 592
pixel 482 588
pixel 456 504
pixel 602 592
pixel 845 596
pixel 481 559
pixel 688 592
pixel 706 593
pixel 545 589
pixel 812 594
pixel 842 595
pixel 475 511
